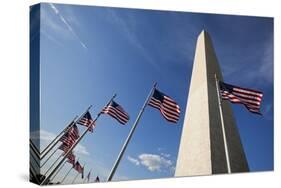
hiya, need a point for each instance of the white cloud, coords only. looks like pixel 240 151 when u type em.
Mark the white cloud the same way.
pixel 133 160
pixel 43 135
pixel 80 149
pixel 167 155
pixel 154 162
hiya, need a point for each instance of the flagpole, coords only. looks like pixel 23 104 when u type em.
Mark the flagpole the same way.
pixel 34 148
pixel 52 144
pixel 35 160
pixel 58 141
pixel 66 174
pixel 130 135
pixel 65 129
pixel 223 128
pixel 87 176
pixel 52 166
pixel 75 178
pixel 51 179
pixel 75 144
pixel 49 157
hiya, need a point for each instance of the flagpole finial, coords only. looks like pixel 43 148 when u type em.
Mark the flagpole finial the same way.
pixel 90 107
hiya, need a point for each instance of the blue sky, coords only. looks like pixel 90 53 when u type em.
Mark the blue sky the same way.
pixel 89 53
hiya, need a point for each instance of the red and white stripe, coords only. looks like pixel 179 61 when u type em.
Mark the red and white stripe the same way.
pixel 87 122
pixel 250 98
pixel 118 113
pixel 168 108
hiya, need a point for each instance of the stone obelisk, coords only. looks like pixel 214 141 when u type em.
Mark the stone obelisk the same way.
pixel 202 145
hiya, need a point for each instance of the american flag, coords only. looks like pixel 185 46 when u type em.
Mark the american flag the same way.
pixel 251 99
pixel 70 136
pixel 87 121
pixel 166 105
pixel 88 176
pixel 78 167
pixel 71 158
pixel 64 147
pixel 82 174
pixel 117 112
pixel 97 179
pixel 67 139
pixel 74 132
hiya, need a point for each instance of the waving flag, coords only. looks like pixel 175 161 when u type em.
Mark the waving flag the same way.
pixel 74 132
pixel 97 179
pixel 71 158
pixel 70 136
pixel 82 174
pixel 88 176
pixel 251 99
pixel 78 167
pixel 117 112
pixel 64 147
pixel 166 105
pixel 87 121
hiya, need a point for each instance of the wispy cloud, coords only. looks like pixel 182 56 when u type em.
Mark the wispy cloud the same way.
pixel 133 160
pixel 266 64
pixel 128 28
pixel 57 12
pixel 152 162
pixel 50 37
pixel 60 25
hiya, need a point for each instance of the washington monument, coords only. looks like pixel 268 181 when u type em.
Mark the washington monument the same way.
pixel 210 142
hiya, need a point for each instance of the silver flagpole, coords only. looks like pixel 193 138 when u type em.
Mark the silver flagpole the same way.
pixel 52 165
pixel 51 179
pixel 56 140
pixel 87 176
pixel 130 135
pixel 64 130
pixel 66 174
pixel 49 157
pixel 223 128
pixel 75 178
pixel 74 145
pixel 78 174
pixel 68 171
pixel 34 149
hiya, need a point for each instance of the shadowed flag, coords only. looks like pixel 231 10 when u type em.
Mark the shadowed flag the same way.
pixel 117 112
pixel 82 173
pixel 78 167
pixel 166 105
pixel 251 99
pixel 87 121
pixel 88 176
pixel 70 136
pixel 64 147
pixel 71 158
pixel 97 179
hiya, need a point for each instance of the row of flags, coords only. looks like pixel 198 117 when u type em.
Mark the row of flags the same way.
pixel 167 107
